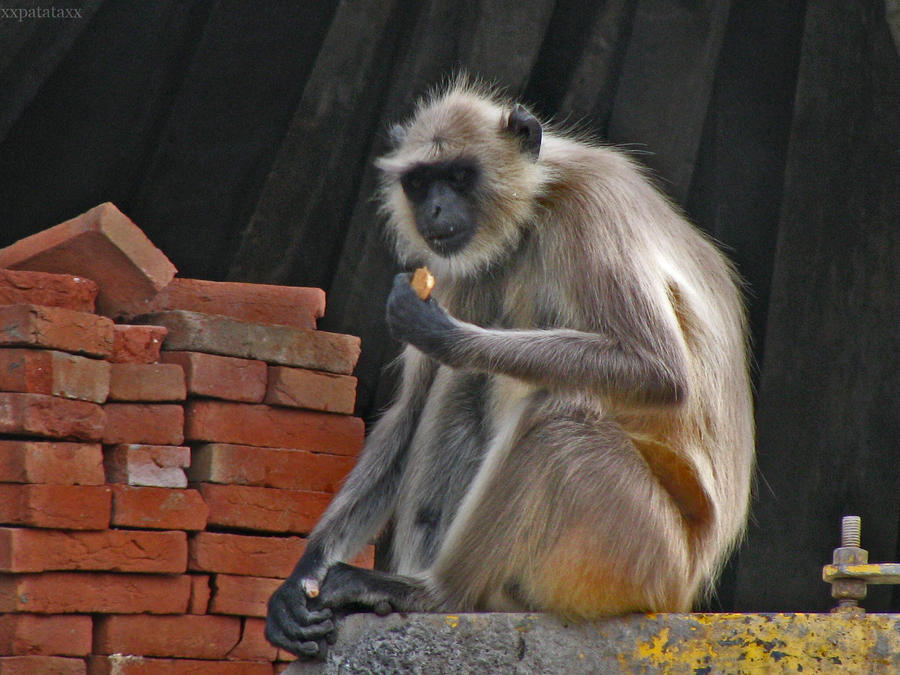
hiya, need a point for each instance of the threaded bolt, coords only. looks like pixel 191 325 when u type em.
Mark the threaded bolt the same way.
pixel 850 531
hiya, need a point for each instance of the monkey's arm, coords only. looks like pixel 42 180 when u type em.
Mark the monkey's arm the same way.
pixel 649 368
pixel 354 516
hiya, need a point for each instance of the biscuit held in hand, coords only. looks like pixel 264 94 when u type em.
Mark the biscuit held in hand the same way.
pixel 422 283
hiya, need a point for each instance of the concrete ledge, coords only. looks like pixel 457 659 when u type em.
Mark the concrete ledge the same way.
pixel 657 643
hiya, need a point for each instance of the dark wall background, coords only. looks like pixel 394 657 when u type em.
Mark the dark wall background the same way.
pixel 240 136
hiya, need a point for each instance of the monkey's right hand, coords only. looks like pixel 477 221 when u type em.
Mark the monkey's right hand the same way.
pixel 296 622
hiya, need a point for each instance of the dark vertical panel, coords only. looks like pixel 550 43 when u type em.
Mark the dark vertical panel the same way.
pixel 737 185
pixel 666 80
pixel 83 138
pixel 31 49
pixel 300 219
pixel 220 139
pixel 736 192
pixel 577 72
pixel 829 401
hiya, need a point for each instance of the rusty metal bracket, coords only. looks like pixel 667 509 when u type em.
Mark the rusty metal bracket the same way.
pixel 851 572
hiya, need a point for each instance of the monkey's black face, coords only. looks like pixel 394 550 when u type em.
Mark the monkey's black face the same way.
pixel 443 196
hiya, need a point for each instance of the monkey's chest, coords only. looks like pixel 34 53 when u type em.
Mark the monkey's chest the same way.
pixel 447 449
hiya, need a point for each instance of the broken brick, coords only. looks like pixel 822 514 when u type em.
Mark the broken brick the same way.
pixel 200 594
pixel 104 246
pixel 137 344
pixel 148 465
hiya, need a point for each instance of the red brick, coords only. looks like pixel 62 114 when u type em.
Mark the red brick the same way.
pixel 268 467
pixel 94 593
pixel 137 344
pixel 224 377
pixel 102 245
pixel 48 462
pixel 200 594
pixel 45 371
pixel 55 328
pixel 108 550
pixel 23 287
pixel 300 388
pixel 283 345
pixel 269 426
pixel 255 303
pixel 152 423
pixel 242 596
pixel 50 416
pixel 146 382
pixel 75 507
pixel 135 665
pixel 253 556
pixel 263 509
pixel 244 554
pixel 253 645
pixel 187 636
pixel 45 665
pixel 47 635
pixel 148 465
pixel 158 508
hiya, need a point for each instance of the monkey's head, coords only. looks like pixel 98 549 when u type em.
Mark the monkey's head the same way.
pixel 459 188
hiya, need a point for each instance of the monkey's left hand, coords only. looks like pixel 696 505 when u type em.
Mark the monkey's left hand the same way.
pixel 422 323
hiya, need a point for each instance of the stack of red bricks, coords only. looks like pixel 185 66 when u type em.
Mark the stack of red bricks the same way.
pixel 165 444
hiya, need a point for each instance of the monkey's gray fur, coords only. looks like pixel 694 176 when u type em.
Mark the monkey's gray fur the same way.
pixel 574 429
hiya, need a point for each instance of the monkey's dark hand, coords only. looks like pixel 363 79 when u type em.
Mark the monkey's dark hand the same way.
pixel 422 323
pixel 298 623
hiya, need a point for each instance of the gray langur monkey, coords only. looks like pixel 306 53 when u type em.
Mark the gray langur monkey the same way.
pixel 573 431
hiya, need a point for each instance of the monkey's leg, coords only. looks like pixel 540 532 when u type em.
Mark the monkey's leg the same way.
pixel 566 517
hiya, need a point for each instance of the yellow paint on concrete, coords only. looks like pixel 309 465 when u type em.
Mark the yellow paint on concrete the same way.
pixel 704 644
pixel 452 620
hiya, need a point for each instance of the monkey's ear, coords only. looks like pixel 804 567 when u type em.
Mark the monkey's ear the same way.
pixel 525 126
pixel 398 135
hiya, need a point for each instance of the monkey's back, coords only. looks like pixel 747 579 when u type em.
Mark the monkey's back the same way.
pixel 603 213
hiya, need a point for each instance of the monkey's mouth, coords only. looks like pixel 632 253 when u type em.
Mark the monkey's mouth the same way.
pixel 447 242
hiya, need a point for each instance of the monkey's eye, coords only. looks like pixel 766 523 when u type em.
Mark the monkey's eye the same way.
pixel 462 177
pixel 414 182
